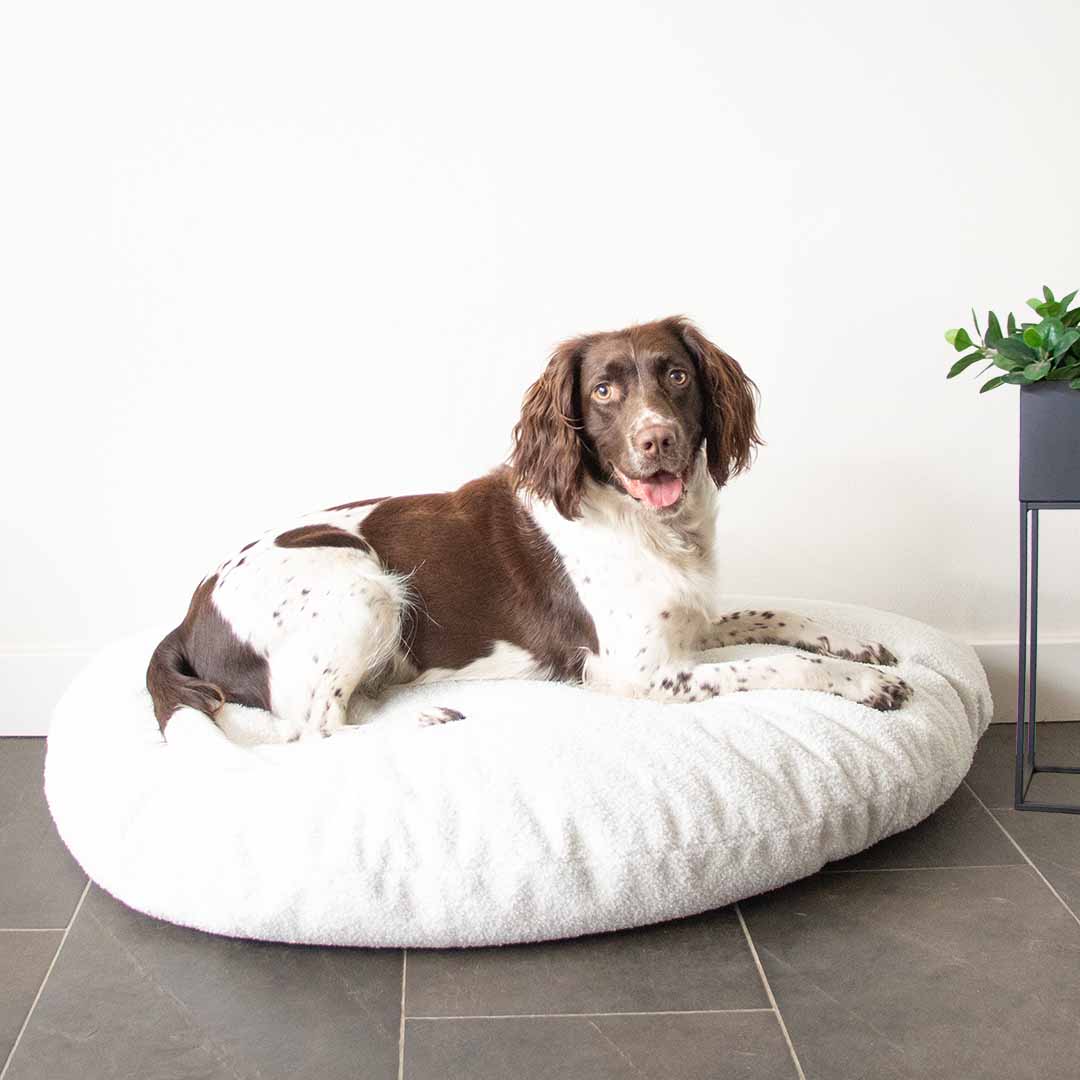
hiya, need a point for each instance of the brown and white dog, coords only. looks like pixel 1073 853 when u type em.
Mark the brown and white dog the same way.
pixel 590 558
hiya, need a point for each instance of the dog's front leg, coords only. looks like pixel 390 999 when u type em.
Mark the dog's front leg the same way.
pixel 764 627
pixel 675 682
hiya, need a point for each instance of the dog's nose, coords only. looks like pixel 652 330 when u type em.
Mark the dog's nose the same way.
pixel 653 440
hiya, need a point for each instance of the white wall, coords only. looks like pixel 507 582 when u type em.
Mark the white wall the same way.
pixel 261 258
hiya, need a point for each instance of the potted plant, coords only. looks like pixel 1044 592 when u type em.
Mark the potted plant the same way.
pixel 1043 359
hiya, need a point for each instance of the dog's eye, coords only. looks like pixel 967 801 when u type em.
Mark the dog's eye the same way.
pixel 602 391
pixel 678 376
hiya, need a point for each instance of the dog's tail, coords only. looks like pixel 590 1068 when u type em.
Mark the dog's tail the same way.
pixel 172 682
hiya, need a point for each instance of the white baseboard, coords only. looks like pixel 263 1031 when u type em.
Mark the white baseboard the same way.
pixel 1058 695
pixel 31 683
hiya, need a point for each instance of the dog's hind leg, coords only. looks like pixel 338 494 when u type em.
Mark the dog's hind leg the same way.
pixel 344 650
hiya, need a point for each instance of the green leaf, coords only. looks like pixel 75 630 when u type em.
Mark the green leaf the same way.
pixel 1060 374
pixel 1036 371
pixel 1075 384
pixel 993 330
pixel 1048 294
pixel 1006 364
pixel 964 363
pixel 1065 342
pixel 975 320
pixel 1015 349
pixel 995 382
pixel 1050 329
pixel 1010 324
pixel 1065 301
pixel 1035 303
pixel 1032 337
pixel 1071 318
pixel 959 339
pixel 1016 378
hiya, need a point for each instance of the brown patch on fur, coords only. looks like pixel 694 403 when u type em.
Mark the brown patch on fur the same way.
pixel 320 536
pixel 203 664
pixel 731 433
pixel 547 460
pixel 480 571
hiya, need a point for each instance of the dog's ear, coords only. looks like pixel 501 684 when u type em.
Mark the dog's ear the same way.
pixel 547 459
pixel 730 421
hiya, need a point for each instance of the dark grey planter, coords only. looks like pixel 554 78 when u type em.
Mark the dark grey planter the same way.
pixel 1049 443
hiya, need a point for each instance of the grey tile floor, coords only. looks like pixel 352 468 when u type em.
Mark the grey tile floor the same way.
pixel 951 950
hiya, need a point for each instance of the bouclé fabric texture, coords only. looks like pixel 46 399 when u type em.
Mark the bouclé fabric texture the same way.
pixel 549 811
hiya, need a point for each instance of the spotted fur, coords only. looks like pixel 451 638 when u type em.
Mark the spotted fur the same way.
pixel 591 558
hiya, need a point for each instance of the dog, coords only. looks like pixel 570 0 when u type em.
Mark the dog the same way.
pixel 589 558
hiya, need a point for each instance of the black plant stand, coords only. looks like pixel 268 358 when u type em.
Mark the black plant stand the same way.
pixel 1049 480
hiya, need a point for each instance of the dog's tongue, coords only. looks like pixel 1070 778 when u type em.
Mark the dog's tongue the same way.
pixel 658 491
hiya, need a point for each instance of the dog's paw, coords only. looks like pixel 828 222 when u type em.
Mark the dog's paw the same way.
pixel 883 690
pixel 845 648
pixel 439 715
pixel 862 652
pixel 857 682
pixel 872 652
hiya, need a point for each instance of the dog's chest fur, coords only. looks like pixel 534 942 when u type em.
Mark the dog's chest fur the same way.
pixel 648 584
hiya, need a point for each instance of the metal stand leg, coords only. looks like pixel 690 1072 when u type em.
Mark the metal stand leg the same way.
pixel 1022 740
pixel 1026 766
pixel 1033 635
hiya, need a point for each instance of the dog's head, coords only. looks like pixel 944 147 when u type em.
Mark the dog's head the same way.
pixel 632 408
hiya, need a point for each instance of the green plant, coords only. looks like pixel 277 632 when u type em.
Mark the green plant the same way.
pixel 1028 352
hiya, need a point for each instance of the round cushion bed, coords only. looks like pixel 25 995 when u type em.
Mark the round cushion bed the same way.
pixel 550 811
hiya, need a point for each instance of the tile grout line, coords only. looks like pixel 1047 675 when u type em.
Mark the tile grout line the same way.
pixel 1012 840
pixel 908 869
pixel 585 1015
pixel 768 991
pixel 401 1029
pixel 41 988
pixel 32 929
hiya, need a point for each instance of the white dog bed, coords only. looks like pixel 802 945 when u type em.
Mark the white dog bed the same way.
pixel 550 811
